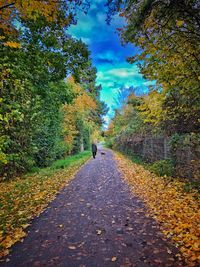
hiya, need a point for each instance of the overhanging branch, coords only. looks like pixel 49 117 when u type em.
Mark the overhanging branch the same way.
pixel 8 5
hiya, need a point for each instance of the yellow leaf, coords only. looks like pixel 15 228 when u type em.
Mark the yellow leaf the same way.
pixel 25 225
pixel 179 23
pixel 7 242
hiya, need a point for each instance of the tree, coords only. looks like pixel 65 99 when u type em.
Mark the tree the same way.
pixel 128 119
pixel 13 12
pixel 33 93
pixel 78 122
pixel 168 34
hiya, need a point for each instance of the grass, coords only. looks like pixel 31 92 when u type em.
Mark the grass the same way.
pixel 69 161
pixel 23 198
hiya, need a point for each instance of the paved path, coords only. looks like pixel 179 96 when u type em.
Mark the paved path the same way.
pixel 94 221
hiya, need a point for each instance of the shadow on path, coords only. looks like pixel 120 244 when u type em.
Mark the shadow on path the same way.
pixel 94 221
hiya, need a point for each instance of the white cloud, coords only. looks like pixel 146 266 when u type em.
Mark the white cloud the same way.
pixel 86 40
pixel 108 54
pixel 125 72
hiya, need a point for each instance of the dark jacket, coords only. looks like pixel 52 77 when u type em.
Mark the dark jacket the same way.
pixel 94 148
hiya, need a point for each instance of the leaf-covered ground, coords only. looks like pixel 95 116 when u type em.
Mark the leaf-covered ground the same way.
pixel 95 221
pixel 177 211
pixel 24 198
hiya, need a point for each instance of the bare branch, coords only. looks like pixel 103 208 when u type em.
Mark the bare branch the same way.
pixel 8 5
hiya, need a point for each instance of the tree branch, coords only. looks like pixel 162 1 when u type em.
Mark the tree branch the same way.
pixel 8 5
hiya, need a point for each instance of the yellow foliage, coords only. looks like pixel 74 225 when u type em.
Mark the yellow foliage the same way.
pixel 3 158
pixel 28 197
pixel 177 212
pixel 12 44
pixel 110 130
pixel 84 102
pixel 95 136
pixel 82 105
pixel 152 107
pixel 76 88
pixel 69 127
pixel 179 23
pixel 27 9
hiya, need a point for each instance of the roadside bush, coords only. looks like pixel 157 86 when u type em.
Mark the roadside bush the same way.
pixel 162 167
pixel 109 142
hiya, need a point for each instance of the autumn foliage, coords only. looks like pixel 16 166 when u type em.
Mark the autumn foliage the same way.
pixel 77 116
pixel 24 198
pixel 12 13
pixel 167 33
pixel 176 211
pixel 37 56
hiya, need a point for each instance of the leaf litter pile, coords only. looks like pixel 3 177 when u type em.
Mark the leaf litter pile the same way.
pixel 176 211
pixel 24 198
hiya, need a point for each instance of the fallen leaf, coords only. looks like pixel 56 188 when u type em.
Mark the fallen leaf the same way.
pixel 114 259
pixel 99 232
pixel 81 244
pixel 25 225
pixel 168 204
pixel 71 247
pixel 169 251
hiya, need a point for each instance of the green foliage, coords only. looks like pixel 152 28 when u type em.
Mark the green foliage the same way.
pixel 33 92
pixel 70 160
pixel 190 186
pixel 136 159
pixel 167 33
pixel 109 142
pixel 59 164
pixel 184 139
pixel 127 119
pixel 162 167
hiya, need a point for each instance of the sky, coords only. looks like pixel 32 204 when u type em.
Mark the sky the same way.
pixel 107 53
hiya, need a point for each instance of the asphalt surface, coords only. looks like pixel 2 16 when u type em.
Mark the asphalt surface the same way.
pixel 94 221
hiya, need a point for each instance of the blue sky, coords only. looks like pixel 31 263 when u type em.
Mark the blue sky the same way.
pixel 108 55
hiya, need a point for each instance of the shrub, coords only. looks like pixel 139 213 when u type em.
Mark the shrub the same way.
pixel 109 142
pixel 162 167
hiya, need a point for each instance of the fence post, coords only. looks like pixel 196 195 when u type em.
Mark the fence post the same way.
pixel 165 148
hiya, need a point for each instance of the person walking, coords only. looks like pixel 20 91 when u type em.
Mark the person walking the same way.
pixel 94 150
